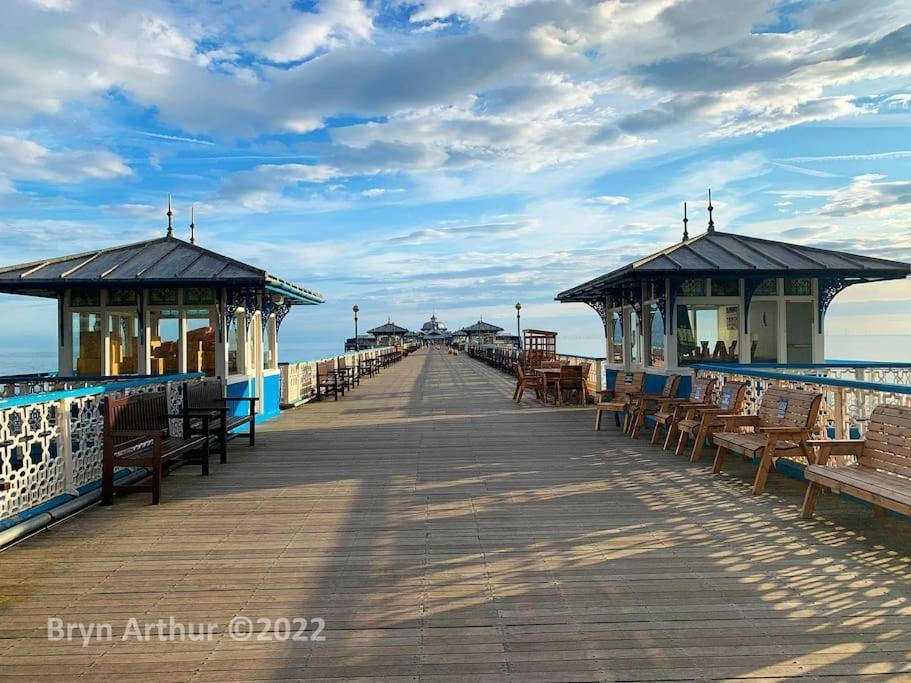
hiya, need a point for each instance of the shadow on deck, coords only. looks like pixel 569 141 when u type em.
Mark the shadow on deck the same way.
pixel 441 531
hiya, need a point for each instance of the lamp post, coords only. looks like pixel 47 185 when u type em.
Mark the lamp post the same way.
pixel 357 342
pixel 519 323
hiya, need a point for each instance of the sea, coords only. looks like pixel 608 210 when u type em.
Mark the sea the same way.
pixel 23 355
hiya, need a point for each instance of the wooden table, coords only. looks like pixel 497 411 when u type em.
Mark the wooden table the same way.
pixel 550 375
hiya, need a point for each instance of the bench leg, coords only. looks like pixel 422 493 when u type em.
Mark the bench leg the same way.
pixel 223 441
pixel 205 457
pixel 719 459
pixel 681 443
pixel 655 432
pixel 597 419
pixel 252 432
pixel 698 445
pixel 107 481
pixel 765 466
pixel 809 500
pixel 156 483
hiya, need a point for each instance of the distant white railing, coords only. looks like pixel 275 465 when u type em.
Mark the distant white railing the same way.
pixel 51 444
pixel 298 379
pixel 850 391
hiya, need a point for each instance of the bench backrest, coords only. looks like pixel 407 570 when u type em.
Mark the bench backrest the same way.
pixel 628 383
pixel 142 412
pixel 202 393
pixel 342 363
pixel 887 446
pixel 324 368
pixel 730 398
pixel 702 389
pixel 781 407
pixel 671 382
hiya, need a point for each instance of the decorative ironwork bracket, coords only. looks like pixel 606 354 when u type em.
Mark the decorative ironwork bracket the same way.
pixel 601 309
pixel 267 310
pixel 750 285
pixel 280 312
pixel 828 288
pixel 249 308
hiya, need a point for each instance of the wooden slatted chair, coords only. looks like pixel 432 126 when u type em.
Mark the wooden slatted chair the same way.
pixel 671 410
pixel 645 404
pixel 572 378
pixel 617 400
pixel 524 382
pixel 882 473
pixel 782 428
pixel 701 422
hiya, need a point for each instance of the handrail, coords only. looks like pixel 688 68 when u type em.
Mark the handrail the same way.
pixel 751 370
pixel 30 399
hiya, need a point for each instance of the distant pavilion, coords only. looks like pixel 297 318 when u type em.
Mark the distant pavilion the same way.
pixel 726 298
pixel 164 306
pixel 389 334
pixel 481 333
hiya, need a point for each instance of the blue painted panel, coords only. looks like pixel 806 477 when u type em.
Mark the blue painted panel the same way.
pixel 271 395
pixel 242 389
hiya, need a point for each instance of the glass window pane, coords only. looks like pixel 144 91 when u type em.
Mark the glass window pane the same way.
pixel 707 333
pixel 123 334
pixel 163 296
pixel 767 288
pixel 201 340
pixel 725 287
pixel 122 297
pixel 268 343
pixel 235 343
pixel 615 337
pixel 87 340
pixel 634 354
pixel 194 296
pixel 656 336
pixel 764 331
pixel 695 287
pixel 800 286
pixel 82 298
pixel 164 341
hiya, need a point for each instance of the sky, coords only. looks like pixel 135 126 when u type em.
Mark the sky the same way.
pixel 455 156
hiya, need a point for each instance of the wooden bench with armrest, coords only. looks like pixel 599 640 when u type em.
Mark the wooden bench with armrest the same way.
pixel 671 410
pixel 523 382
pixel 136 435
pixel 644 404
pixel 618 399
pixel 782 427
pixel 701 422
pixel 882 474
pixel 207 398
pixel 327 380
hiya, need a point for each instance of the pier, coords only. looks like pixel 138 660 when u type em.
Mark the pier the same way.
pixel 444 532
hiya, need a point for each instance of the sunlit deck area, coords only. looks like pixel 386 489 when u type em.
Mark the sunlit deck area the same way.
pixel 445 533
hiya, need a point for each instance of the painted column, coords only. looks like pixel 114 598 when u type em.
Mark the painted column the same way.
pixel 181 337
pixel 819 337
pixel 670 328
pixel 782 323
pixel 221 340
pixel 145 363
pixel 65 346
pixel 105 335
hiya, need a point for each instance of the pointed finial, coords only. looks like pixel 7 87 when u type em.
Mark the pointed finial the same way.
pixel 686 235
pixel 711 208
pixel 170 213
pixel 192 225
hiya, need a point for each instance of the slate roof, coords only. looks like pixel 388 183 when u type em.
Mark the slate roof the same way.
pixel 164 261
pixel 724 253
pixel 388 328
pixel 481 326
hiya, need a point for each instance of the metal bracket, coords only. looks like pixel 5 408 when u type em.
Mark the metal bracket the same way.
pixel 601 309
pixel 828 288
pixel 750 285
pixel 280 312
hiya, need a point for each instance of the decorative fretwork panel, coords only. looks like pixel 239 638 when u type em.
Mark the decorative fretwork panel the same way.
pixel 86 438
pixel 31 469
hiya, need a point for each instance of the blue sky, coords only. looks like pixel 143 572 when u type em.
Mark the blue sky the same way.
pixel 456 155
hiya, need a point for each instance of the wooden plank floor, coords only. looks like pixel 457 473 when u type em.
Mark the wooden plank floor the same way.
pixel 445 533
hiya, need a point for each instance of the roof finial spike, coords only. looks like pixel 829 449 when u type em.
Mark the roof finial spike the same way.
pixel 192 224
pixel 686 235
pixel 711 208
pixel 170 213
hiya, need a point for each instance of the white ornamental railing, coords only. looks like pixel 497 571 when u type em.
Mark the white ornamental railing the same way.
pixel 847 402
pixel 51 444
pixel 298 379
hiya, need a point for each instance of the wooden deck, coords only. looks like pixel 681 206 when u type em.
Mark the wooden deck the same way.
pixel 445 533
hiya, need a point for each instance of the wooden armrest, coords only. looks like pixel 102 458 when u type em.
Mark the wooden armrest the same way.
pixel 734 421
pixel 784 430
pixel 827 447
pixel 206 409
pixel 604 393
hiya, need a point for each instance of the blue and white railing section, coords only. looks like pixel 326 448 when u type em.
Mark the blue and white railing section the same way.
pixel 51 444
pixel 298 379
pixel 850 390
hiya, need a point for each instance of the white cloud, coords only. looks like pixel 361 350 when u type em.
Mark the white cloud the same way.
pixel 25 160
pixel 608 200
pixel 334 23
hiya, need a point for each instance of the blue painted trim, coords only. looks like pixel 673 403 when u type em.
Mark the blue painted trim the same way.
pixel 16 401
pixel 297 296
pixel 150 379
pixel 750 371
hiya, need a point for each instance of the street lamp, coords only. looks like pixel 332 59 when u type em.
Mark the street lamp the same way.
pixel 519 323
pixel 357 342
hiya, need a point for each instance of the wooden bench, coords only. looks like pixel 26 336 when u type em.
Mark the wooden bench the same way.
pixel 207 398
pixel 701 422
pixel 644 404
pixel 617 400
pixel 523 382
pixel 136 435
pixel 327 380
pixel 348 373
pixel 882 473
pixel 782 428
pixel 671 410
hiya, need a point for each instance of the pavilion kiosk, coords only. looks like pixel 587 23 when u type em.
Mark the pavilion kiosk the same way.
pixel 165 306
pixel 723 298
pixel 389 334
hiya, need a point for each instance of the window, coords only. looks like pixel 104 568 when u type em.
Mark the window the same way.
pixel 767 288
pixel 634 355
pixel 164 343
pixel 236 338
pixel 83 298
pixel 726 287
pixel 163 296
pixel 615 337
pixel 122 297
pixel 656 336
pixel 201 340
pixel 707 333
pixel 694 287
pixel 800 286
pixel 269 362
pixel 195 296
pixel 123 342
pixel 87 341
pixel 764 331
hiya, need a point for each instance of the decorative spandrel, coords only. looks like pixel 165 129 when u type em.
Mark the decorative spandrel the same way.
pixel 601 309
pixel 829 287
